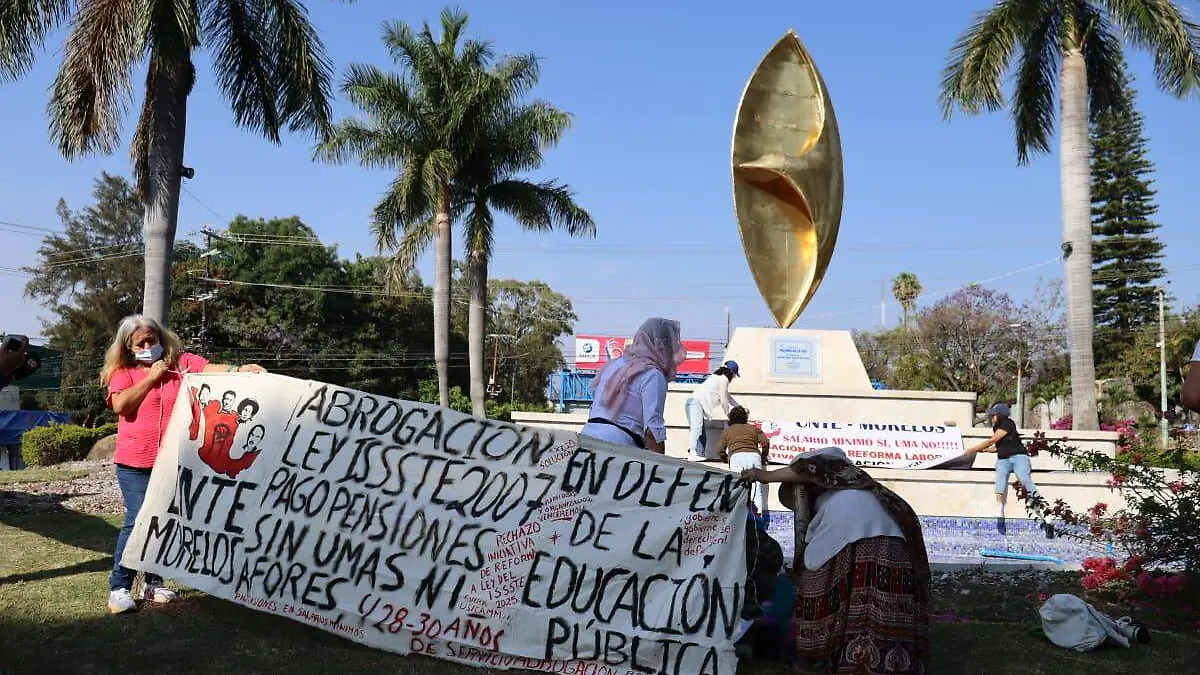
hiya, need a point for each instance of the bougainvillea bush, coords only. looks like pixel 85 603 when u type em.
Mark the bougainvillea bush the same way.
pixel 1159 526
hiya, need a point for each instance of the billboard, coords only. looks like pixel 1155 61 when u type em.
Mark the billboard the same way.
pixel 593 351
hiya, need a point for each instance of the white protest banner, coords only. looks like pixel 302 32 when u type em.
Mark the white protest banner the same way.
pixel 892 446
pixel 414 528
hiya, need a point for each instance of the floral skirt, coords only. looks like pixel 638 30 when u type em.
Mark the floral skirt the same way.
pixel 860 613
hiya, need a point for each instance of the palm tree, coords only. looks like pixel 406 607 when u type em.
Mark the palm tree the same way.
pixel 513 144
pixel 423 123
pixel 1072 50
pixel 268 60
pixel 906 288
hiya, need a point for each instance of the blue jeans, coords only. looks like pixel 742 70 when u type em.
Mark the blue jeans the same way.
pixel 133 483
pixel 695 418
pixel 1018 464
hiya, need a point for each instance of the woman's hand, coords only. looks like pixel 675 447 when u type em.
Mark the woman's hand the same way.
pixel 158 371
pixel 251 368
pixel 755 475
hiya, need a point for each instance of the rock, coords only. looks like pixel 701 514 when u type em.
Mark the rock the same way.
pixel 103 448
pixel 1133 410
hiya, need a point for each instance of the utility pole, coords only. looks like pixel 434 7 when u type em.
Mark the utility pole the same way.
pixel 728 327
pixel 1162 364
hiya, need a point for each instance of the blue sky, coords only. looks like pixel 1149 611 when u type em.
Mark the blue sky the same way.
pixel 654 87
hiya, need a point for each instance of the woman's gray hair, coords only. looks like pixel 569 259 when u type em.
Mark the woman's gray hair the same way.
pixel 120 351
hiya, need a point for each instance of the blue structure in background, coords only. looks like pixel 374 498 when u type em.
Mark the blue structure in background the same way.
pixel 14 423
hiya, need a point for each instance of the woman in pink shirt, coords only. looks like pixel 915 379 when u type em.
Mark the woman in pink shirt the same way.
pixel 143 370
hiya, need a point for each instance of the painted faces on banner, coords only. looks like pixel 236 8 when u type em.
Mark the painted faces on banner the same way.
pixel 419 529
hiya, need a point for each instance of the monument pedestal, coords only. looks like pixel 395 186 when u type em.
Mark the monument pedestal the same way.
pixel 776 359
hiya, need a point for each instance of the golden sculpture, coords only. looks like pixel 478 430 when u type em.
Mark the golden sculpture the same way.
pixel 787 178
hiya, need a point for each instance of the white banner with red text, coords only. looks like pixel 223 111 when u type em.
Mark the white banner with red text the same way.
pixel 415 528
pixel 870 444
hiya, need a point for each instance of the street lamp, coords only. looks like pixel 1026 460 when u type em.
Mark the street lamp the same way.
pixel 1020 373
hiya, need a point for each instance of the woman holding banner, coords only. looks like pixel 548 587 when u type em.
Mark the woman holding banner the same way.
pixel 631 391
pixel 862 573
pixel 143 370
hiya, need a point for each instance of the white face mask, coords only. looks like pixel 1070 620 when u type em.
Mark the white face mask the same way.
pixel 150 355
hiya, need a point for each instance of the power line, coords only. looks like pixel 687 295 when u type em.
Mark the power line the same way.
pixel 210 209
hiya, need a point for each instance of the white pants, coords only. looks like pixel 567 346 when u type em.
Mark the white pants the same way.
pixel 758 492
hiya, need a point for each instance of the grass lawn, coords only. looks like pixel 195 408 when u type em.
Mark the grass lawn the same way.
pixel 53 582
pixel 40 474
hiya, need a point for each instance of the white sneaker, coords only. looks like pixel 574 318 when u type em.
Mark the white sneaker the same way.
pixel 120 601
pixel 159 595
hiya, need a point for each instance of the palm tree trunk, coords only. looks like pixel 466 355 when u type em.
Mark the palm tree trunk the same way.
pixel 1077 239
pixel 477 329
pixel 441 299
pixel 168 127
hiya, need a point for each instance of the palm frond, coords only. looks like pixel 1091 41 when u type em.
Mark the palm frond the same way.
pixel 519 73
pixel 1105 62
pixel 542 206
pixel 373 147
pixel 1035 93
pixel 480 226
pixel 412 245
pixel 24 25
pixel 385 97
pixel 1162 28
pixel 235 29
pixel 437 173
pixel 979 59
pixel 404 203
pixel 92 90
pixel 301 72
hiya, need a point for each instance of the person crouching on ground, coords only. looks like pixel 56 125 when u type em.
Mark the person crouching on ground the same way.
pixel 863 577
pixel 744 446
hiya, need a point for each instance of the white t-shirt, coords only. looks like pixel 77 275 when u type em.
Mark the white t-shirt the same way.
pixel 713 396
pixel 642 409
pixel 842 518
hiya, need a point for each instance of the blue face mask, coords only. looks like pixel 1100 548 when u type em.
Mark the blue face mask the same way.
pixel 150 355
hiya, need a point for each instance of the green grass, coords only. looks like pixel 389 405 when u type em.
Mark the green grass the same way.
pixel 40 474
pixel 53 582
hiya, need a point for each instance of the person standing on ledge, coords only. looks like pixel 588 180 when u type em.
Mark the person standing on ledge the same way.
pixel 1011 456
pixel 705 402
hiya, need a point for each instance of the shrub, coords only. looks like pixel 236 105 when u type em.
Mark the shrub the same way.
pixel 59 443
pixel 1159 522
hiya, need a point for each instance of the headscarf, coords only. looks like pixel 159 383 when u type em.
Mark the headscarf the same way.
pixel 831 469
pixel 656 345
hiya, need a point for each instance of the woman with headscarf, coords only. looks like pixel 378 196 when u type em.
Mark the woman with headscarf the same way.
pixel 631 391
pixel 862 598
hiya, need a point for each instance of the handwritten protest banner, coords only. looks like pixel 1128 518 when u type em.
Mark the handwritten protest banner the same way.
pixel 892 446
pixel 414 528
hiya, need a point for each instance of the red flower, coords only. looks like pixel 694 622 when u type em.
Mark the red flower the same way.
pixel 1137 458
pixel 1177 486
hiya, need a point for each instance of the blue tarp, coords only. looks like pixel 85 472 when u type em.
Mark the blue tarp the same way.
pixel 13 423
